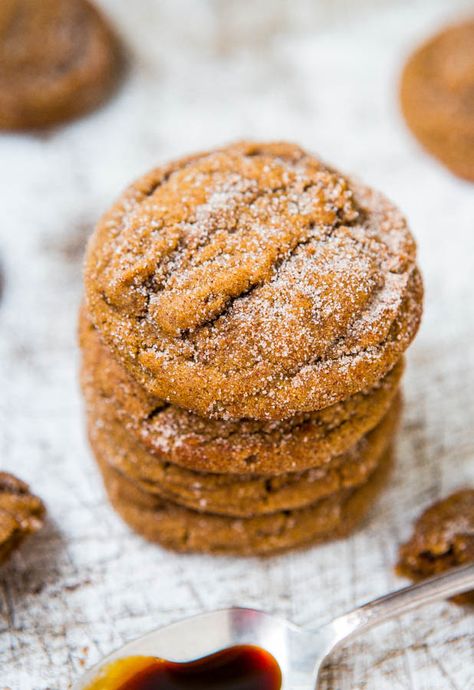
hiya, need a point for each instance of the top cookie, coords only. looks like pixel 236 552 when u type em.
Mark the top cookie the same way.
pixel 437 96
pixel 58 58
pixel 253 281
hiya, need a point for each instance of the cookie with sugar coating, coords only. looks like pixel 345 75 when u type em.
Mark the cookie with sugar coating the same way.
pixel 182 529
pixel 307 440
pixel 237 495
pixel 253 281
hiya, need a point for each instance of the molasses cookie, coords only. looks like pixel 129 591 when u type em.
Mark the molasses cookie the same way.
pixel 21 514
pixel 437 97
pixel 182 529
pixel 58 59
pixel 237 496
pixel 225 446
pixel 253 281
pixel 443 538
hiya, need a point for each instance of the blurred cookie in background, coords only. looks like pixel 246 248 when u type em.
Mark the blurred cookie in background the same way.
pixel 58 59
pixel 437 97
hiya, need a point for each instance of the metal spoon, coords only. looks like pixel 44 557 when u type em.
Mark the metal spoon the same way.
pixel 300 653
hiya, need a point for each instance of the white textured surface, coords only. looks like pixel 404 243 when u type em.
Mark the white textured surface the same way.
pixel 201 76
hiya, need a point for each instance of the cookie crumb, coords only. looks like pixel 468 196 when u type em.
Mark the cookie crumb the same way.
pixel 443 537
pixel 21 514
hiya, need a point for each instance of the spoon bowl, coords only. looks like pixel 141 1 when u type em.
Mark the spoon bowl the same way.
pixel 300 653
pixel 296 650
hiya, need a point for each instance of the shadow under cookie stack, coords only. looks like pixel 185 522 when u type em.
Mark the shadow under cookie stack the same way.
pixel 246 315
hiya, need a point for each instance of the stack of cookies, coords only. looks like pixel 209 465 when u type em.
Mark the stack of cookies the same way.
pixel 245 319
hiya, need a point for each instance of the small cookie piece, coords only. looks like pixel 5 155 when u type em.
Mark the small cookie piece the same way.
pixel 443 538
pixel 253 281
pixel 223 446
pixel 21 514
pixel 58 59
pixel 437 97
pixel 185 530
pixel 238 496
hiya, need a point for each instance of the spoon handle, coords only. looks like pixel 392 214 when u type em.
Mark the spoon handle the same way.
pixel 454 581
